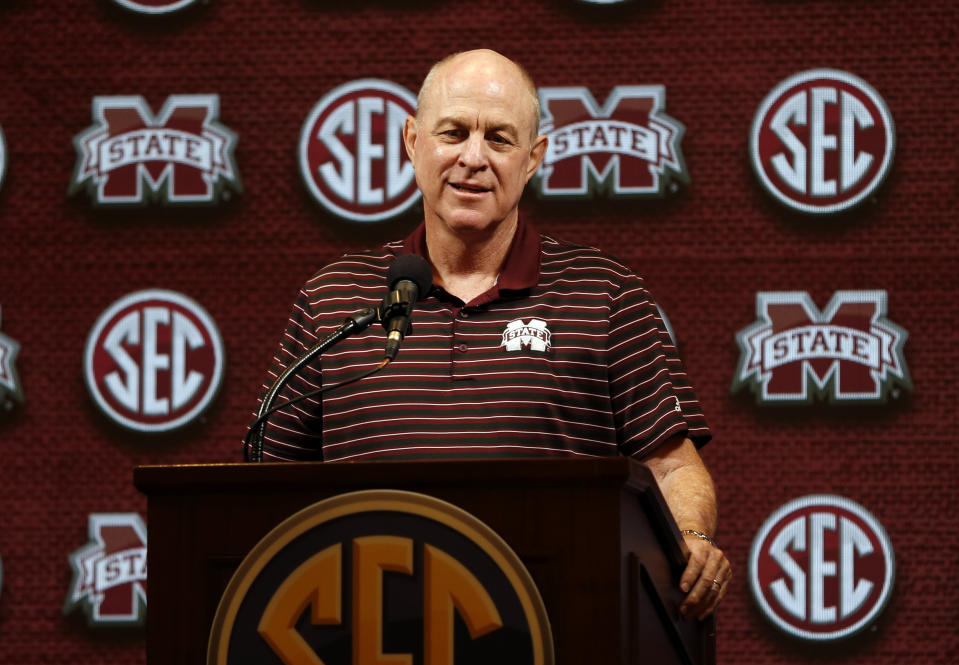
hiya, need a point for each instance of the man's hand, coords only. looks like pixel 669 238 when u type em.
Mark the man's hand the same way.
pixel 688 489
pixel 705 579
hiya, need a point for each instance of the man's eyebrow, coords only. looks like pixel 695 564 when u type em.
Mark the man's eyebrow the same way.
pixel 507 127
pixel 449 119
pixel 459 122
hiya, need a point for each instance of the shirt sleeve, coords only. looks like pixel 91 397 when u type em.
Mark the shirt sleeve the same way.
pixel 295 433
pixel 652 397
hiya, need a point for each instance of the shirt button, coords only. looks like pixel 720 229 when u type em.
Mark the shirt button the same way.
pixel 462 348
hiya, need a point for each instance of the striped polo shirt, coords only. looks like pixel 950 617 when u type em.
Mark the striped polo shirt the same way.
pixel 567 355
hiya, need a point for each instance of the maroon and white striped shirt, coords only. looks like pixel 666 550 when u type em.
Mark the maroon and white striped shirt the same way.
pixel 567 355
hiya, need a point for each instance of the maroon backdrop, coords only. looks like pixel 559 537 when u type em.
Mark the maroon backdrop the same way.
pixel 705 252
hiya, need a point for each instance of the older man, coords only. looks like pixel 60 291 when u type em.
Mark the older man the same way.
pixel 524 346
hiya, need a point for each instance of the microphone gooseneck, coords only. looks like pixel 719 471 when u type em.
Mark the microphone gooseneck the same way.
pixel 409 279
pixel 254 440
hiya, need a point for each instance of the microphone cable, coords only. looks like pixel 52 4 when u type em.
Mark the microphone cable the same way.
pixel 305 396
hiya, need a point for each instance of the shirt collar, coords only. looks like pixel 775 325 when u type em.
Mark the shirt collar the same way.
pixel 521 269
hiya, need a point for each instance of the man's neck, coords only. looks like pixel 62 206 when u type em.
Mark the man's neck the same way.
pixel 467 266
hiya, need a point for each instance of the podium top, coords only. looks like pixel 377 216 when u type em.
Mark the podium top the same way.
pixel 160 479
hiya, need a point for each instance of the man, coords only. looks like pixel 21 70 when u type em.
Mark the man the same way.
pixel 524 346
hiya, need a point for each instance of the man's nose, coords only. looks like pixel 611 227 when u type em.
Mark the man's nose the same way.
pixel 473 155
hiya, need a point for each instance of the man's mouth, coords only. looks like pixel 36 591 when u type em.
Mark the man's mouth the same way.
pixel 472 189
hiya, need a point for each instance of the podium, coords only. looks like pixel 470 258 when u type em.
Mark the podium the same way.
pixel 595 535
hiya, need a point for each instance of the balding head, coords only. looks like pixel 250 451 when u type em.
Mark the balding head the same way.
pixel 493 65
pixel 473 146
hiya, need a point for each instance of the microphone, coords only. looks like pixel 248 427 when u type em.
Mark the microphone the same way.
pixel 409 279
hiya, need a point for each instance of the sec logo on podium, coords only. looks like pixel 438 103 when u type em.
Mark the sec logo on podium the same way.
pixel 381 577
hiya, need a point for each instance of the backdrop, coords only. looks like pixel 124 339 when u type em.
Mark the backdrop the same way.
pixel 706 250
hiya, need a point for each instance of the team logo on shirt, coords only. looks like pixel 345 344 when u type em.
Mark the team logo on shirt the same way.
pixel 153 361
pixel 154 6
pixel 822 141
pixel 351 153
pixel 626 147
pixel 821 568
pixel 181 156
pixel 522 336
pixel 10 388
pixel 3 158
pixel 850 352
pixel 110 571
pixel 381 576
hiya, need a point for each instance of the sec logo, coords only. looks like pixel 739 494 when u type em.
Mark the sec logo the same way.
pixel 381 576
pixel 822 141
pixel 153 360
pixel 821 568
pixel 154 6
pixel 351 151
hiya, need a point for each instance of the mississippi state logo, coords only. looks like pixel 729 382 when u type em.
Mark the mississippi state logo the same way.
pixel 821 568
pixel 10 388
pixel 3 158
pixel 532 336
pixel 154 6
pixel 110 571
pixel 351 151
pixel 627 147
pixel 850 352
pixel 181 156
pixel 381 576
pixel 153 361
pixel 822 141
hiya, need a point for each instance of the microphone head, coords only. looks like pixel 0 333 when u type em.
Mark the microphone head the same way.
pixel 414 268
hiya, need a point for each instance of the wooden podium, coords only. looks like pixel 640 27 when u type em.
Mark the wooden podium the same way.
pixel 594 534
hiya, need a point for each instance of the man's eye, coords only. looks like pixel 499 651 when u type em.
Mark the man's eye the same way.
pixel 499 140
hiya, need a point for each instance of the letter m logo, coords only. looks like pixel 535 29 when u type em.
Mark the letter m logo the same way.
pixel 849 352
pixel 182 155
pixel 628 147
pixel 109 572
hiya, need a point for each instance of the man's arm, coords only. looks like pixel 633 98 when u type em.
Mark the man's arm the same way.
pixel 689 492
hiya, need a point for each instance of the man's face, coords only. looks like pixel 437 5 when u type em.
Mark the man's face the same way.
pixel 471 145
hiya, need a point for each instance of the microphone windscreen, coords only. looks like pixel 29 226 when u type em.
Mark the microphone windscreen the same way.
pixel 414 268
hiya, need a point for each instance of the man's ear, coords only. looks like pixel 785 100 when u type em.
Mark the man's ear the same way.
pixel 536 154
pixel 409 136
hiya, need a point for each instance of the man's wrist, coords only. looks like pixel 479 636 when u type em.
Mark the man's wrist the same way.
pixel 700 535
